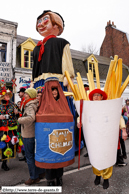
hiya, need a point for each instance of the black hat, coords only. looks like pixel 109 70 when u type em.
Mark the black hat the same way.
pixel 21 90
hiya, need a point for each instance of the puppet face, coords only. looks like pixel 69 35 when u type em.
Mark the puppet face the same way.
pixel 45 26
pixel 97 97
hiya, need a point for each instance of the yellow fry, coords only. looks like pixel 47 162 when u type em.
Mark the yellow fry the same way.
pixel 68 93
pixel 109 94
pixel 77 97
pixel 70 81
pixel 81 86
pixel 92 79
pixel 115 59
pixel 77 91
pixel 89 80
pixel 118 78
pixel 97 75
pixel 109 76
pixel 113 81
pixel 126 82
pixel 88 91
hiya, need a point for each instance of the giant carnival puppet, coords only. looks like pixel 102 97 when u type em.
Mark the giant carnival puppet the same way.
pixel 100 115
pixel 54 119
pixel 9 112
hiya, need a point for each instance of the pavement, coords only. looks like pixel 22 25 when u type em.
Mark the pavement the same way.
pixel 74 181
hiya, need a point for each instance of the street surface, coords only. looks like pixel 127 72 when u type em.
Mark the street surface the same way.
pixel 74 181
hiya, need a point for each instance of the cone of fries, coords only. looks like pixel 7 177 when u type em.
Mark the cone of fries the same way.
pixel 100 119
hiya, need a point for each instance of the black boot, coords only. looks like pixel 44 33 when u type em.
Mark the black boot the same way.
pixel 105 184
pixel 120 161
pixel 50 183
pixel 22 159
pixel 97 180
pixel 4 165
pixel 59 181
pixel 86 155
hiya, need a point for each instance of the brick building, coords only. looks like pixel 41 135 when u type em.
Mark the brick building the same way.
pixel 116 42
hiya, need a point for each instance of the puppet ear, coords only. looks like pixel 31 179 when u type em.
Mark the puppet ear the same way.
pixel 56 29
pixel 55 26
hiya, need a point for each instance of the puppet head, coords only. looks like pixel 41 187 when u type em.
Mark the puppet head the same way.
pixel 49 23
pixel 97 91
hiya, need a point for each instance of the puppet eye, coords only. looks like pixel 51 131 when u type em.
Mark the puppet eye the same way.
pixel 39 21
pixel 45 18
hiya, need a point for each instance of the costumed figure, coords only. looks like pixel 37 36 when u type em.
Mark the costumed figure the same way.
pixel 54 132
pixel 97 95
pixel 8 127
pixel 101 121
pixel 52 55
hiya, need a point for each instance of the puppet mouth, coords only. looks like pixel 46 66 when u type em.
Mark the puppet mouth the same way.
pixel 42 29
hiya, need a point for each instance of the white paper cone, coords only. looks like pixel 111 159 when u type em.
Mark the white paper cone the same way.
pixel 100 121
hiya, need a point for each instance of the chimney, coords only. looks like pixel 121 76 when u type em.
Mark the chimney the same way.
pixel 113 25
pixel 108 28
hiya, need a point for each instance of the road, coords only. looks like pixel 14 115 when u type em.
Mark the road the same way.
pixel 74 181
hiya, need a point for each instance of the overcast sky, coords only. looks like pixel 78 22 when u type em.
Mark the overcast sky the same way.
pixel 85 21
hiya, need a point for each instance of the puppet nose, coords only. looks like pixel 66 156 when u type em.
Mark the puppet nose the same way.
pixel 39 24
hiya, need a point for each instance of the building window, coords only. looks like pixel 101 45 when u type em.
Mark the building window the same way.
pixel 31 59
pixel 28 59
pixel 3 52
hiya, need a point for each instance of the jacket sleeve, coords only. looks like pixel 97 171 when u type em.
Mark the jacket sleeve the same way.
pixel 67 63
pixel 29 116
pixel 122 123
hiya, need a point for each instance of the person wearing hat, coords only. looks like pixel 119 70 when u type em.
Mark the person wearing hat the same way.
pixel 97 95
pixel 52 56
pixel 27 122
pixel 21 93
pixel 8 127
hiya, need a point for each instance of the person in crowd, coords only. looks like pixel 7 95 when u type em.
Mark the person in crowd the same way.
pixel 122 142
pixel 8 127
pixel 21 93
pixel 39 94
pixel 52 174
pixel 19 104
pixel 27 122
pixel 76 133
pixel 97 95
pixel 126 115
pixel 123 137
pixel 21 152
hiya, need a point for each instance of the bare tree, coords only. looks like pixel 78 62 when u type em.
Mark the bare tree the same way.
pixel 90 49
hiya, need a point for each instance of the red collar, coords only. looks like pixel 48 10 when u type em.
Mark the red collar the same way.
pixel 41 51
pixel 28 101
